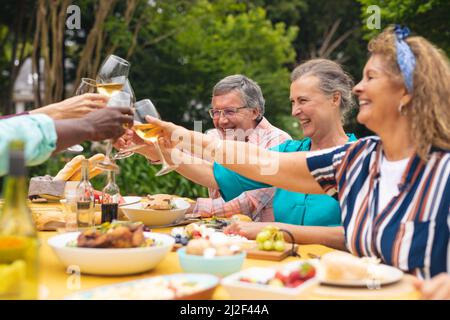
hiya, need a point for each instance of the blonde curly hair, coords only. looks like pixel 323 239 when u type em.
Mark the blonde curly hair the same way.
pixel 429 109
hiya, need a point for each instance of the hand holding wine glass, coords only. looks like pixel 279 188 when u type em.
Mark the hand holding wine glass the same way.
pixel 117 100
pixel 150 132
pixel 85 100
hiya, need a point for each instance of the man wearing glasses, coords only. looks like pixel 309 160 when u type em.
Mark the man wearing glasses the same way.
pixel 237 111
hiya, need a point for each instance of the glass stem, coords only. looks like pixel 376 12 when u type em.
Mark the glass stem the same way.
pixel 108 150
pixel 163 160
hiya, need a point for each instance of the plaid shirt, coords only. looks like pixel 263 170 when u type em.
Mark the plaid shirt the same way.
pixel 257 204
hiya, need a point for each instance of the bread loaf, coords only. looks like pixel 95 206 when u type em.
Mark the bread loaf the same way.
pixel 69 169
pixel 93 170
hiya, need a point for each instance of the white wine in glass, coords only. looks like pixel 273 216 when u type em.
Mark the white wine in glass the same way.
pixel 147 131
pixel 108 89
pixel 150 132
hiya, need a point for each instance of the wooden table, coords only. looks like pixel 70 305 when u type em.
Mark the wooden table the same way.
pixel 56 283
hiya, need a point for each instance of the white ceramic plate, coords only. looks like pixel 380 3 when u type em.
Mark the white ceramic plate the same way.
pixel 383 275
pixel 156 218
pixel 153 288
pixel 239 290
pixel 130 200
pixel 102 261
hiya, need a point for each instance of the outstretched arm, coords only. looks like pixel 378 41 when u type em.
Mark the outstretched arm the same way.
pixel 284 170
pixel 332 237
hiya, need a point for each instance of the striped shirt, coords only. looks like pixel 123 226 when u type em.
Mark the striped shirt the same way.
pixel 412 231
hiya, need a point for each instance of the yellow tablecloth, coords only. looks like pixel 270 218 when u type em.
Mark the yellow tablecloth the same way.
pixel 56 283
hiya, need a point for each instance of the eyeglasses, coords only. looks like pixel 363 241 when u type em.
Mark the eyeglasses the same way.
pixel 228 113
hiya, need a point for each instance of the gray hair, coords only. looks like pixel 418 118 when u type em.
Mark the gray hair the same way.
pixel 248 89
pixel 332 79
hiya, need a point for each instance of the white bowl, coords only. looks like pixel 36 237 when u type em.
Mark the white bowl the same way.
pixel 156 218
pixel 101 261
pixel 240 290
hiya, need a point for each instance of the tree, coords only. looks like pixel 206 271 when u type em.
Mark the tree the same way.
pixel 16 32
pixel 426 18
pixel 217 39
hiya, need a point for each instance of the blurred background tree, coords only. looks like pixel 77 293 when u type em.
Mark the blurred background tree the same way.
pixel 179 49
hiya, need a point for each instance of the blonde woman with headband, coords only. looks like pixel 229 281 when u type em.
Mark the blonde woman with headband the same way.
pixel 393 188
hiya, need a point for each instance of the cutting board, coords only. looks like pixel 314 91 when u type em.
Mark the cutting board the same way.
pixel 258 254
pixel 270 255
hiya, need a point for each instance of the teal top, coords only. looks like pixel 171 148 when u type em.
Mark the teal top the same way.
pixel 289 207
pixel 37 131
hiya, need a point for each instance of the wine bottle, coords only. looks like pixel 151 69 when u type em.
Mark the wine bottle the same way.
pixel 18 238
pixel 85 199
pixel 110 198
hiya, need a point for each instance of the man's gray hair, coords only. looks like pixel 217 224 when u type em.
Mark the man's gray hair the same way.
pixel 332 78
pixel 249 90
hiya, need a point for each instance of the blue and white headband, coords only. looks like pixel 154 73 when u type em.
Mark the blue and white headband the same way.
pixel 405 57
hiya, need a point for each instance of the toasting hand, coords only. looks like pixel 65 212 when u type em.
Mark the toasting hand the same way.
pixel 108 123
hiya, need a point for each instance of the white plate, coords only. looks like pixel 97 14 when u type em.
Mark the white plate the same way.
pixel 383 275
pixel 102 261
pixel 130 200
pixel 156 218
pixel 240 290
pixel 145 288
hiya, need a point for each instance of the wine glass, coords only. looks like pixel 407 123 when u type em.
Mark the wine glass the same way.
pixel 87 85
pixel 150 132
pixel 113 75
pixel 117 99
pixel 127 152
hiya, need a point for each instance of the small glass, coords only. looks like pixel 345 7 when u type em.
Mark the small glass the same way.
pixel 69 207
pixel 85 199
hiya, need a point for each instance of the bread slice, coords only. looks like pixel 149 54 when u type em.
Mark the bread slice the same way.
pixel 339 265
pixel 69 169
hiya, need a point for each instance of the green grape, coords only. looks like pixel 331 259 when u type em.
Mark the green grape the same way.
pixel 263 236
pixel 268 245
pixel 279 236
pixel 280 245
pixel 260 246
pixel 271 229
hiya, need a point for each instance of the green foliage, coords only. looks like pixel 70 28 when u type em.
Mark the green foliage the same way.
pixel 426 18
pixel 137 177
pixel 213 40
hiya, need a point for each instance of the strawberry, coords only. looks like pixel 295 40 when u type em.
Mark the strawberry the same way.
pixel 280 276
pixel 293 276
pixel 196 234
pixel 307 271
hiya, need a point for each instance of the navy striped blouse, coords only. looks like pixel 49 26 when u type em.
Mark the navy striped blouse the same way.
pixel 412 231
